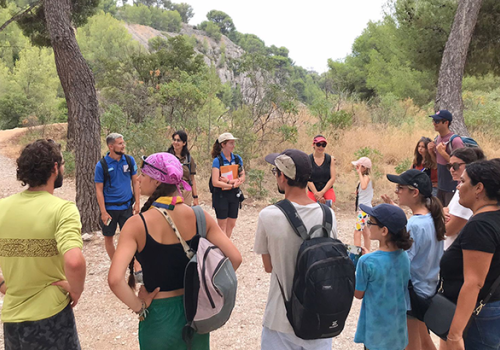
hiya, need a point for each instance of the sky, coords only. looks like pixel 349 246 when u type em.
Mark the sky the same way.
pixel 313 30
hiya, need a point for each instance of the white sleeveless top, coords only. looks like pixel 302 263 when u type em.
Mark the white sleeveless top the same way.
pixel 365 196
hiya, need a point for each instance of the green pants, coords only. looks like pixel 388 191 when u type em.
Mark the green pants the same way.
pixel 162 328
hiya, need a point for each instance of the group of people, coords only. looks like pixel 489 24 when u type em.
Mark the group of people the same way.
pixel 454 251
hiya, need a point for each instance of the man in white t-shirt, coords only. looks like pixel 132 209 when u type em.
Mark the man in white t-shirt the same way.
pixel 278 244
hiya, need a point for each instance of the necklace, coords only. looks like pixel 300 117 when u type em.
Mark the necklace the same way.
pixel 168 202
pixel 486 205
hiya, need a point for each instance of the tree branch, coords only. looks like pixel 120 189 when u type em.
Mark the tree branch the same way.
pixel 20 14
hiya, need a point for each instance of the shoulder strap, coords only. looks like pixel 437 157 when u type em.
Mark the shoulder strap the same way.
pixel 188 159
pixel 105 171
pixel 221 161
pixel 201 223
pixel 488 296
pixel 327 225
pixel 129 162
pixel 236 159
pixel 293 218
pixel 453 137
pixel 189 252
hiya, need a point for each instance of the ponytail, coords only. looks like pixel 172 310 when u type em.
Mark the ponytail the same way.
pixel 401 239
pixel 436 209
pixel 216 149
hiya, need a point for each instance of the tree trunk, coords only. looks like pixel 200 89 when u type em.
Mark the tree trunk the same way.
pixel 78 85
pixel 449 91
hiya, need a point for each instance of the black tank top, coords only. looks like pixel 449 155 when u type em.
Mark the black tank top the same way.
pixel 163 265
pixel 320 174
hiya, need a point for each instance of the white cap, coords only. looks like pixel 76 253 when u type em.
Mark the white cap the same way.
pixel 227 136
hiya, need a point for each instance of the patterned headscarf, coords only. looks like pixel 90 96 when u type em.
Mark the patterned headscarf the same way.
pixel 166 168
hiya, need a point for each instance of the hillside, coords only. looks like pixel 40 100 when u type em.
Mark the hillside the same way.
pixel 214 53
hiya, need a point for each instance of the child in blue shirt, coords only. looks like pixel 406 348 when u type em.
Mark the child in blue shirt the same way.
pixel 382 281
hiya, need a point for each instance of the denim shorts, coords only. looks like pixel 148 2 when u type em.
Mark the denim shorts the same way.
pixel 484 330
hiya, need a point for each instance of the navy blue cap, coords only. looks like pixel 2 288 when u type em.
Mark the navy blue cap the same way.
pixel 415 178
pixel 391 216
pixel 442 114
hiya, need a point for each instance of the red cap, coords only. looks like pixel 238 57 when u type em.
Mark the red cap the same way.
pixel 319 139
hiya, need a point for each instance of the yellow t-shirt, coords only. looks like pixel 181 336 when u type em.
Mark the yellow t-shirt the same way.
pixel 36 229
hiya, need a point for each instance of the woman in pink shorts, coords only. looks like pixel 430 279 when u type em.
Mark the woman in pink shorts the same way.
pixel 320 188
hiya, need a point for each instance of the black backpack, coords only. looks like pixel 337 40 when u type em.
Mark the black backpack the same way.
pixel 107 178
pixel 324 279
pixel 221 163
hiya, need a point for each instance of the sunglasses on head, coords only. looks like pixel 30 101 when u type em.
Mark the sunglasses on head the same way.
pixel 152 166
pixel 455 166
pixel 321 144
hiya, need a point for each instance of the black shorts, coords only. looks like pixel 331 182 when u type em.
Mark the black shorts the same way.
pixel 226 204
pixel 118 217
pixel 57 332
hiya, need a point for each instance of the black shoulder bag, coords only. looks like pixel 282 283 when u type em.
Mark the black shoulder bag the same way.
pixel 441 310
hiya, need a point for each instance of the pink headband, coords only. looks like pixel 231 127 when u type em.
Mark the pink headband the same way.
pixel 166 168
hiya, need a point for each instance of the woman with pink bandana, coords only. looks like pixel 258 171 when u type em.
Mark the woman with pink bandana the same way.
pixel 149 238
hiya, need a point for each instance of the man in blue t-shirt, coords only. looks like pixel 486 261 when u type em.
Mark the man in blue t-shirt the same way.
pixel 114 193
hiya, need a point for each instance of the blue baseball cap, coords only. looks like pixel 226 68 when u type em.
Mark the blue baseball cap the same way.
pixel 391 216
pixel 442 114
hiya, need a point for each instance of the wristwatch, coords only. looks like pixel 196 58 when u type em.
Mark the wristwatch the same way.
pixel 195 197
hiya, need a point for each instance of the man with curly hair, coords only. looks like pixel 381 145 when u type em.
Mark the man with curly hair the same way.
pixel 40 255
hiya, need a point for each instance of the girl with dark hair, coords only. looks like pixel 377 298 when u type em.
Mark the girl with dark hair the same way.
pixel 227 176
pixel 472 263
pixel 456 214
pixel 423 161
pixel 427 229
pixel 150 238
pixel 179 148
pixel 382 281
pixel 320 188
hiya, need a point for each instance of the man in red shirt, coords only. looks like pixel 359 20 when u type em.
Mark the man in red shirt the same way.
pixel 440 151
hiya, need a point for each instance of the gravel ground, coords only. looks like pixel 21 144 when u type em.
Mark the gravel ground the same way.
pixel 105 323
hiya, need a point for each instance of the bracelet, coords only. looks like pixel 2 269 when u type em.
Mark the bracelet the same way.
pixel 195 197
pixel 228 181
pixel 2 283
pixel 143 312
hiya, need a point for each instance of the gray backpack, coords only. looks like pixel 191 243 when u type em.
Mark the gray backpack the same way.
pixel 209 282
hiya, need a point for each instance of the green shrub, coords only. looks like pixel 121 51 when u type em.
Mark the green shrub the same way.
pixel 403 165
pixel 69 163
pixel 339 120
pixel 255 182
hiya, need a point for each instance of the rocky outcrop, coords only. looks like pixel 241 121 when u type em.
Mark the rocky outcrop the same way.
pixel 218 54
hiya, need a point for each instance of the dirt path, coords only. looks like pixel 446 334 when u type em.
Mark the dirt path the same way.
pixel 105 323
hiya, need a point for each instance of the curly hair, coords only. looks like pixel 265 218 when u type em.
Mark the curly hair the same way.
pixel 36 163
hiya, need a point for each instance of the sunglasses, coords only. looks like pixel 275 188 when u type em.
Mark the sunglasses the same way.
pixel 455 166
pixel 152 166
pixel 437 121
pixel 371 223
pixel 177 140
pixel 321 144
pixel 274 170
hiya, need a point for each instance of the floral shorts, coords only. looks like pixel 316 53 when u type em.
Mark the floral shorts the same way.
pixel 361 220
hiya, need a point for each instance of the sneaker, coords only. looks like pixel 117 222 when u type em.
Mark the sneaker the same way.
pixel 138 277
